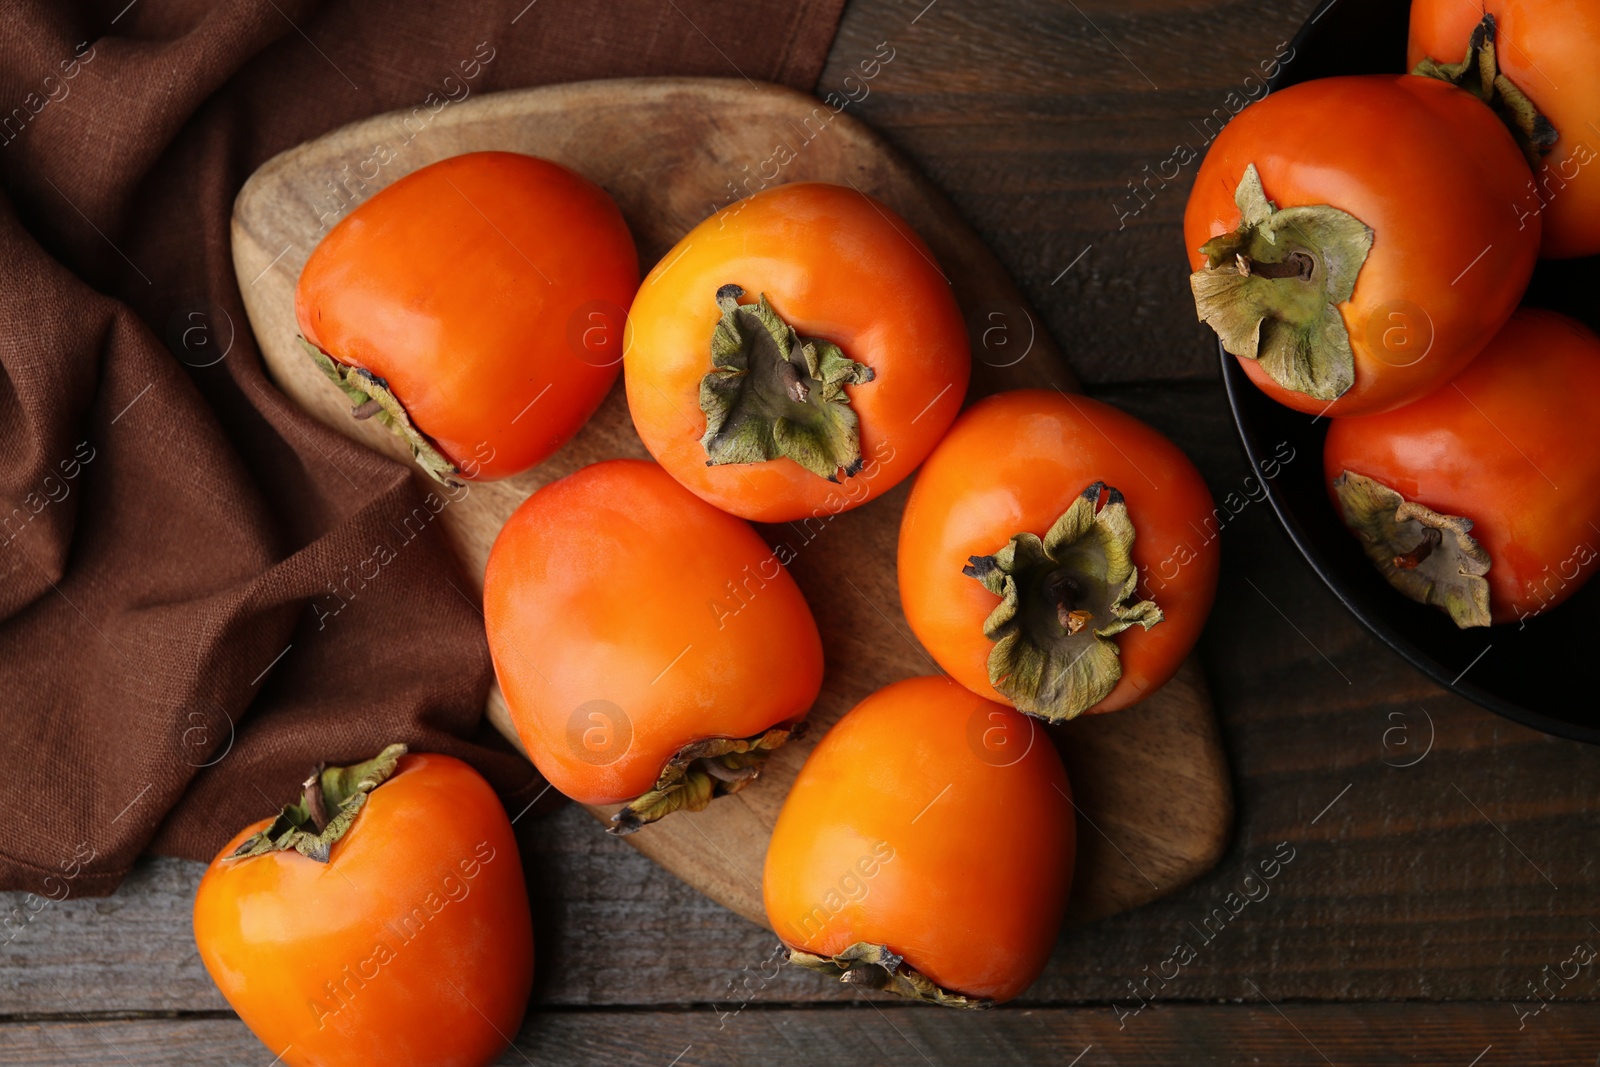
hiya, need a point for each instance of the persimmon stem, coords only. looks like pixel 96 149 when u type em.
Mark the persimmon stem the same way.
pixel 1479 74
pixel 773 394
pixel 876 966
pixel 1299 265
pixel 329 802
pixel 1063 598
pixel 1068 592
pixel 1295 333
pixel 364 389
pixel 1410 561
pixel 1429 556
pixel 699 773
pixel 315 800
pixel 866 975
pixel 789 375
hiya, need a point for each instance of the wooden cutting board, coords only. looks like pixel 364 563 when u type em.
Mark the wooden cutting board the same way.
pixel 1151 783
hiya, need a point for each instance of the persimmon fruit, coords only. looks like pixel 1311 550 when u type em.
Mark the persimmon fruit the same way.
pixel 381 919
pixel 798 353
pixel 652 649
pixel 1533 61
pixel 926 848
pixel 476 307
pixel 1057 554
pixel 1354 240
pixel 1483 499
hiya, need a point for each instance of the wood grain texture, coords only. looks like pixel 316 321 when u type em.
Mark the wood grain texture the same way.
pixel 1425 880
pixel 666 150
pixel 1038 119
pixel 1365 1035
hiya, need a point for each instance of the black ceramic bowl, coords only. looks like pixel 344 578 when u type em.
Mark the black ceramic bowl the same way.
pixel 1539 674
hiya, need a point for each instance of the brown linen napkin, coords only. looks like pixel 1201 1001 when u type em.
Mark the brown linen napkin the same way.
pixel 187 621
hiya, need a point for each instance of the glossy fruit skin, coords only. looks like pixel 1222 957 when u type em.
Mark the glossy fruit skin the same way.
pixel 836 265
pixel 411 947
pixel 489 291
pixel 1548 48
pixel 1434 174
pixel 1014 462
pixel 1508 444
pixel 934 822
pixel 617 585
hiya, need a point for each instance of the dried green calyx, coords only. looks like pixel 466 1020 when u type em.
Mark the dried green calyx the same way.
pixel 1479 74
pixel 1063 598
pixel 701 772
pixel 772 393
pixel 1272 289
pixel 1429 557
pixel 332 798
pixel 372 399
pixel 870 966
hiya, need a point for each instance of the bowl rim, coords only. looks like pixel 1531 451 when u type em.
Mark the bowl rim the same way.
pixel 1235 382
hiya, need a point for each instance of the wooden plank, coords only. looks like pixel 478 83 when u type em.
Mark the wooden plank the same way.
pixel 1401 889
pixel 674 144
pixel 1211 1035
pixel 1424 881
pixel 1035 118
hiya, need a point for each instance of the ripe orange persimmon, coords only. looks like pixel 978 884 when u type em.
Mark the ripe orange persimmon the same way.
pixel 1354 240
pixel 1019 567
pixel 1483 499
pixel 798 353
pixel 1547 49
pixel 476 306
pixel 926 848
pixel 651 648
pixel 382 919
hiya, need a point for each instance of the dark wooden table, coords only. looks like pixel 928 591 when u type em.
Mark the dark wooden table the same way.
pixel 1444 871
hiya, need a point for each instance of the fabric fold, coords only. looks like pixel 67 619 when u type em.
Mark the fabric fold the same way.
pixel 190 611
